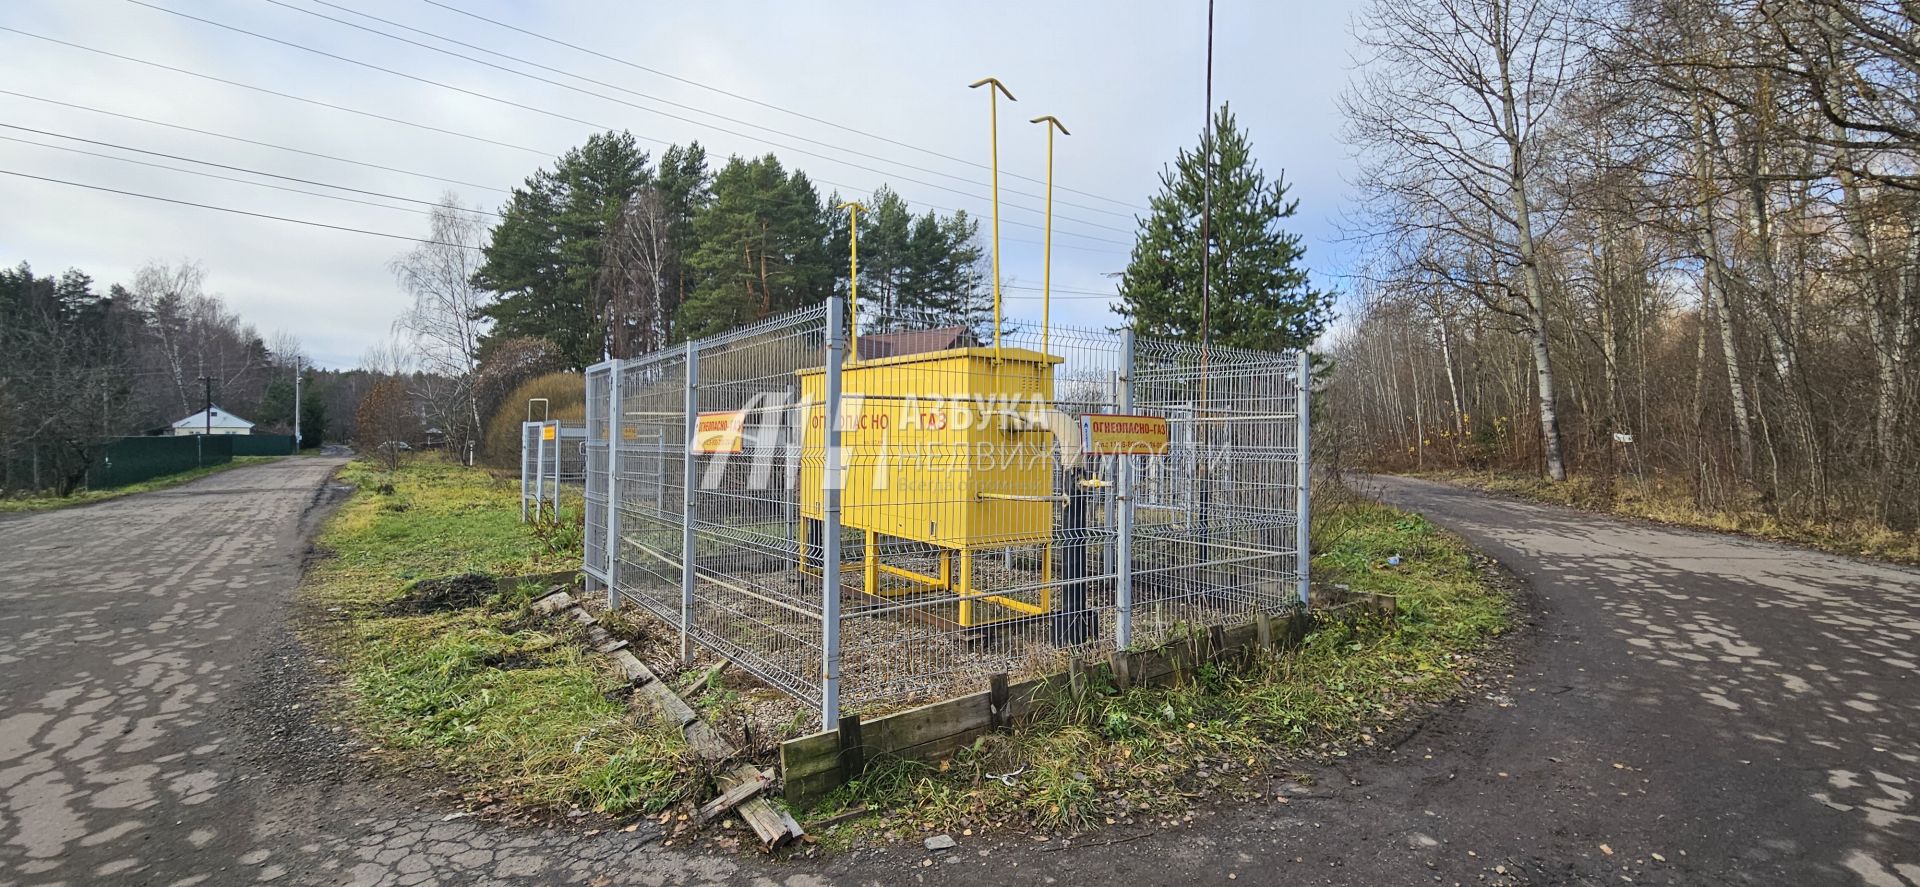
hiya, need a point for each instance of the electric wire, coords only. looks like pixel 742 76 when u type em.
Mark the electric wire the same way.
pixel 1066 292
pixel 614 86
pixel 750 100
pixel 590 123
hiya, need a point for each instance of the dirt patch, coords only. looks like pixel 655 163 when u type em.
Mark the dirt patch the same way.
pixel 443 594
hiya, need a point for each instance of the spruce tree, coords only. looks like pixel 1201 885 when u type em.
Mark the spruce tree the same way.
pixel 1262 297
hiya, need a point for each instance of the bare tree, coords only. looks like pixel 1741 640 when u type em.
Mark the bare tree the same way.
pixel 444 323
pixel 634 285
pixel 1449 113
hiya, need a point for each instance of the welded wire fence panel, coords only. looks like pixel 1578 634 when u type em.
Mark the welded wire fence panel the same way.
pixel 991 517
pixel 648 491
pixel 594 466
pixel 753 601
pixel 1215 527
pixel 980 534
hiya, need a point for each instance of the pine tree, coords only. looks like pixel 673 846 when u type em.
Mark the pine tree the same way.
pixel 1262 297
pixel 764 247
pixel 545 252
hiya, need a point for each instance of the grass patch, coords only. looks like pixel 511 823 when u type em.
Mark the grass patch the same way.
pixel 85 497
pixel 1660 500
pixel 448 674
pixel 1149 752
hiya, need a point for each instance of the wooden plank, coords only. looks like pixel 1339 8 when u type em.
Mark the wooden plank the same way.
pixel 706 742
pixel 853 754
pixel 809 755
pixel 670 707
pixel 773 827
pixel 733 797
pixel 552 603
pixel 1263 630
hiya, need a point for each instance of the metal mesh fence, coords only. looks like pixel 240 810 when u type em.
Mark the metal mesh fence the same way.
pixel 553 455
pixel 981 506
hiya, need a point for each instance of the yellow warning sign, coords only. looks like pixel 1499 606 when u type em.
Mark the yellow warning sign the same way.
pixel 1109 434
pixel 547 431
pixel 719 432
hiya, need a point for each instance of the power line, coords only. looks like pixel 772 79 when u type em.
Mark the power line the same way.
pixel 348 228
pixel 243 169
pixel 228 209
pixel 246 141
pixel 195 172
pixel 403 122
pixel 589 123
pixel 301 151
pixel 750 100
pixel 614 86
pixel 285 95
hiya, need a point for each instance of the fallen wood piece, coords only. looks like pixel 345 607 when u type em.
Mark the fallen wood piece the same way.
pixel 706 679
pixel 552 602
pixel 774 827
pixel 707 742
pixel 630 665
pixel 733 797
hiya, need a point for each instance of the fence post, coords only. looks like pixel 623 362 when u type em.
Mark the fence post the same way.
pixel 559 449
pixel 830 483
pixel 1303 510
pixel 1123 546
pixel 540 472
pixel 612 567
pixel 688 478
pixel 523 472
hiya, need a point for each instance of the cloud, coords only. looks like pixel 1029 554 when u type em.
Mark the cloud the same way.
pixel 1126 78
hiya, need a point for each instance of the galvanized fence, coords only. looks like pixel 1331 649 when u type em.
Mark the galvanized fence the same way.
pixel 553 455
pixel 981 506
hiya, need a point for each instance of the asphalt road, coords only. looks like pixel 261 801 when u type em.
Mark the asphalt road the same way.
pixel 1685 708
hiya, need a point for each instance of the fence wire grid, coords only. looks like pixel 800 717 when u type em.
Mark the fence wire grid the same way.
pixel 555 454
pixel 966 515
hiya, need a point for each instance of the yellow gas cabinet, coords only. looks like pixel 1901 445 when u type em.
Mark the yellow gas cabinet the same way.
pixel 948 448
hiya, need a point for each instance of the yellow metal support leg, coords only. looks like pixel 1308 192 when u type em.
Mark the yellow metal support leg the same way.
pixel 1046 578
pixel 871 561
pixel 966 588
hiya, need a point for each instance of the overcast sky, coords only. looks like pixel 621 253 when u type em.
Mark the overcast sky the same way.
pixel 1126 78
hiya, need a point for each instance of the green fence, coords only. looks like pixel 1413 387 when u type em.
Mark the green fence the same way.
pixel 262 444
pixel 131 460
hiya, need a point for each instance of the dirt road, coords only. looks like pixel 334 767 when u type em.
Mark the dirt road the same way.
pixel 1688 709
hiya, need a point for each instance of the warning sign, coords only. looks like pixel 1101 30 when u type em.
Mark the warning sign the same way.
pixel 1108 434
pixel 719 432
pixel 547 431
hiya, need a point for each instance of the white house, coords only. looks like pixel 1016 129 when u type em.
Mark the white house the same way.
pixel 222 422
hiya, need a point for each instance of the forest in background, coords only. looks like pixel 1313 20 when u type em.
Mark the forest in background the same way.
pixel 1667 242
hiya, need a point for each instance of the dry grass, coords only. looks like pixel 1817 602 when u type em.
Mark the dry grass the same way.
pixel 1667 502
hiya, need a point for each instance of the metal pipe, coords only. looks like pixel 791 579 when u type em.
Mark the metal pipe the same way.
pixel 830 483
pixel 688 475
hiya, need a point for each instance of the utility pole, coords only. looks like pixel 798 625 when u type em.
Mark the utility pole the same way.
pixel 296 406
pixel 207 412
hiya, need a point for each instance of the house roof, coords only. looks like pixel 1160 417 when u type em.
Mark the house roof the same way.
pixel 221 419
pixel 875 345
